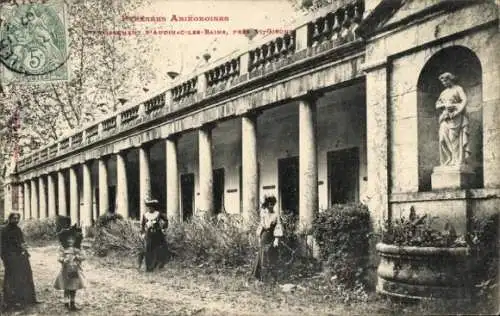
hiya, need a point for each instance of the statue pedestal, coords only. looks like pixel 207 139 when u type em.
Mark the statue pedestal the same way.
pixel 452 177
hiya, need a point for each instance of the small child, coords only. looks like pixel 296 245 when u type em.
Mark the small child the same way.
pixel 70 257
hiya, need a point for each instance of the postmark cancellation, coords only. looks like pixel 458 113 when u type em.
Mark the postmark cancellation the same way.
pixel 33 42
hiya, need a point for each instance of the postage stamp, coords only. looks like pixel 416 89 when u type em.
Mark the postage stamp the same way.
pixel 33 42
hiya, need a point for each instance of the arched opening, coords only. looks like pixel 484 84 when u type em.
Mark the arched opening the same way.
pixel 465 65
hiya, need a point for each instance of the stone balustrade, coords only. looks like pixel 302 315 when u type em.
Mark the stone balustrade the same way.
pixel 64 144
pixel 129 115
pixel 53 150
pixel 339 26
pixel 77 139
pixel 109 124
pixel 334 28
pixel 184 90
pixel 217 78
pixel 154 104
pixel 91 134
pixel 271 52
pixel 43 154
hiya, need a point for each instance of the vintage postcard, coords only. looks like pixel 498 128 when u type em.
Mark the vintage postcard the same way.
pixel 249 157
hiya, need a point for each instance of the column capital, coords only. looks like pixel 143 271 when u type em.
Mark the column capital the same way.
pixel 373 65
pixel 311 96
pixel 174 137
pixel 208 126
pixel 253 113
pixel 147 145
pixel 104 157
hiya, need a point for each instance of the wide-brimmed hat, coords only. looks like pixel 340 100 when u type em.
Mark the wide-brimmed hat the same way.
pixel 151 202
pixel 72 232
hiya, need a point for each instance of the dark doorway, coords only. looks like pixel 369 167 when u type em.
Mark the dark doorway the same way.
pixel 218 190
pixel 288 171
pixel 343 174
pixel 112 199
pixel 98 211
pixel 67 192
pixel 187 195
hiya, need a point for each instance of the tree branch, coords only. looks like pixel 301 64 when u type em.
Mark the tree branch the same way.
pixel 61 105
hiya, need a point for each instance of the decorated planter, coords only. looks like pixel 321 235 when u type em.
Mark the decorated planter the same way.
pixel 423 272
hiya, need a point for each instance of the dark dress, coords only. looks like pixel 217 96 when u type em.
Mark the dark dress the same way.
pixel 266 262
pixel 154 243
pixel 18 286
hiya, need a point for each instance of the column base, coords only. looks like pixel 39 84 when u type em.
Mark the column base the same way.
pixel 452 177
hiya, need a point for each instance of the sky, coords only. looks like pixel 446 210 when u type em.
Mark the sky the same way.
pixel 178 52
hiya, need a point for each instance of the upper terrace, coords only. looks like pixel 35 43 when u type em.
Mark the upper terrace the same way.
pixel 329 31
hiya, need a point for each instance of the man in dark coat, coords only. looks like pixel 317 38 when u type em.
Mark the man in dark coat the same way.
pixel 18 285
pixel 152 225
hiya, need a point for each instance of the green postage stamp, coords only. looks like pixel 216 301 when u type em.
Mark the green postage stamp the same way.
pixel 33 42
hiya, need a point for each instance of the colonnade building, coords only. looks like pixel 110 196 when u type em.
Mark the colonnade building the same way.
pixel 340 109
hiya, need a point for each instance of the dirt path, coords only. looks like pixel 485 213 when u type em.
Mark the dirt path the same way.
pixel 123 291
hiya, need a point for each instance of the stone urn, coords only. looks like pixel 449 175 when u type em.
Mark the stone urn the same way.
pixel 423 272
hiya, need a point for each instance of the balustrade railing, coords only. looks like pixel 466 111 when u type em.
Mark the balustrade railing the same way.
pixel 223 73
pixel 43 154
pixel 271 52
pixel 77 139
pixel 130 114
pixel 35 157
pixel 109 124
pixel 154 104
pixel 92 133
pixel 53 151
pixel 338 27
pixel 64 144
pixel 185 89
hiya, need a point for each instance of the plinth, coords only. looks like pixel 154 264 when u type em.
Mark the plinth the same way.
pixel 452 177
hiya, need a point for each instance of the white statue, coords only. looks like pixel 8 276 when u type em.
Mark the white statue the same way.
pixel 453 123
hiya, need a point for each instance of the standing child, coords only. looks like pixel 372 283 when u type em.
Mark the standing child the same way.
pixel 71 257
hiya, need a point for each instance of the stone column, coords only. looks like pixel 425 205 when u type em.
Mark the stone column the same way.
pixel 86 211
pixel 20 199
pixel 121 186
pixel 144 178
pixel 35 212
pixel 205 172
pixel 172 172
pixel 7 199
pixel 377 145
pixel 308 163
pixel 27 204
pixel 51 195
pixel 103 186
pixel 61 194
pixel 42 198
pixel 249 167
pixel 74 201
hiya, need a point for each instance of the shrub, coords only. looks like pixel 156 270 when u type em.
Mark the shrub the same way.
pixel 223 243
pixel 418 230
pixel 342 233
pixel 485 245
pixel 105 219
pixel 40 230
pixel 120 236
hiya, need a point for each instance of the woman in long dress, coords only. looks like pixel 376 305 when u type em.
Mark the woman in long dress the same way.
pixel 269 232
pixel 153 224
pixel 18 285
